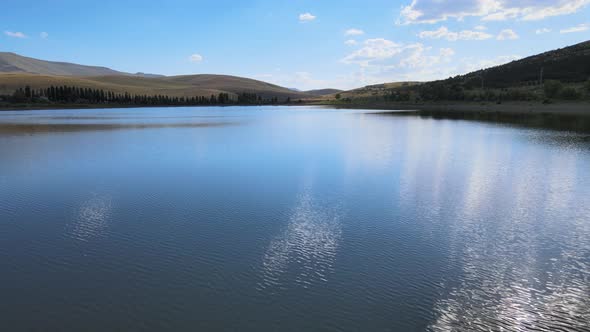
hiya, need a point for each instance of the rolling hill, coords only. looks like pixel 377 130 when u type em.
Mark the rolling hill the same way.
pixel 14 63
pixel 174 86
pixel 322 92
pixel 369 90
pixel 18 71
pixel 235 85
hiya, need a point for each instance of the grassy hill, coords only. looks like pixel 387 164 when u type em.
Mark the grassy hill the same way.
pixel 235 85
pixel 370 90
pixel 18 71
pixel 11 62
pixel 175 86
pixel 322 92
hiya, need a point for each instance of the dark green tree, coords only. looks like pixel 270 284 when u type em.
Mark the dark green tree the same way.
pixel 570 93
pixel 552 88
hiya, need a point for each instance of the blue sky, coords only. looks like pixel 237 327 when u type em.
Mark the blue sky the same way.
pixel 297 43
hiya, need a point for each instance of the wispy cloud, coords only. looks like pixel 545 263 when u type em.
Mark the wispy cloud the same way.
pixel 384 53
pixel 433 11
pixel 542 31
pixel 381 60
pixel 350 42
pixel 354 32
pixel 507 34
pixel 578 28
pixel 44 35
pixel 15 34
pixel 306 17
pixel 374 49
pixel 444 33
pixel 195 58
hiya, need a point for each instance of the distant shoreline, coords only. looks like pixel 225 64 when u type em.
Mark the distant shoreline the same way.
pixel 42 107
pixel 576 109
pixel 516 108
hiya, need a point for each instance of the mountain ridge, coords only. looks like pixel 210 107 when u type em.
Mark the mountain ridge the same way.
pixel 12 62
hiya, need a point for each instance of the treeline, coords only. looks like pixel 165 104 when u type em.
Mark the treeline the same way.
pixel 550 89
pixel 451 91
pixel 78 95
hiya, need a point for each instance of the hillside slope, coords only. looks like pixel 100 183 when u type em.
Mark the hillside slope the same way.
pixel 178 86
pixel 235 85
pixel 14 63
pixel 19 71
pixel 322 92
pixel 369 90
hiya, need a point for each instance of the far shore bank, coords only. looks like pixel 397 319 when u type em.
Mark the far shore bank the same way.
pixel 577 109
pixel 40 107
pixel 516 108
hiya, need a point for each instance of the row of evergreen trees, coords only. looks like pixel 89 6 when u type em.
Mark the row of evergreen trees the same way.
pixel 78 95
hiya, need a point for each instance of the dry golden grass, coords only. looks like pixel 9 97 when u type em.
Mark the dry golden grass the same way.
pixel 11 62
pixel 176 86
pixel 364 92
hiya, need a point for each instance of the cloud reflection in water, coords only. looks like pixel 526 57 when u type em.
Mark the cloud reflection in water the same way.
pixel 522 268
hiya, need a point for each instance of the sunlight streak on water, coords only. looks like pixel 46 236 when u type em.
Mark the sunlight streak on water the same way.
pixel 92 218
pixel 305 251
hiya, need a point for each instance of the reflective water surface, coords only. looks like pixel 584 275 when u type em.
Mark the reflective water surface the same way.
pixel 290 219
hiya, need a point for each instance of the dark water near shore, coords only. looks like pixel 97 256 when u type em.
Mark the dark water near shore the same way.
pixel 290 219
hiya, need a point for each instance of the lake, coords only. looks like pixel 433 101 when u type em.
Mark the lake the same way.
pixel 290 219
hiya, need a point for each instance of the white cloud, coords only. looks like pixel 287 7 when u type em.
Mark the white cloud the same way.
pixel 542 31
pixel 196 58
pixel 373 49
pixel 444 33
pixel 350 42
pixel 507 34
pixel 44 35
pixel 15 34
pixel 381 60
pixel 354 32
pixel 447 52
pixel 433 11
pixel 306 17
pixel 382 55
pixel 481 28
pixel 393 62
pixel 578 28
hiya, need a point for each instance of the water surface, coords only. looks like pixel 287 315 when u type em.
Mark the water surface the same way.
pixel 290 219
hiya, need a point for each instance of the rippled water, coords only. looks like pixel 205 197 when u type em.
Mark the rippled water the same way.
pixel 290 219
